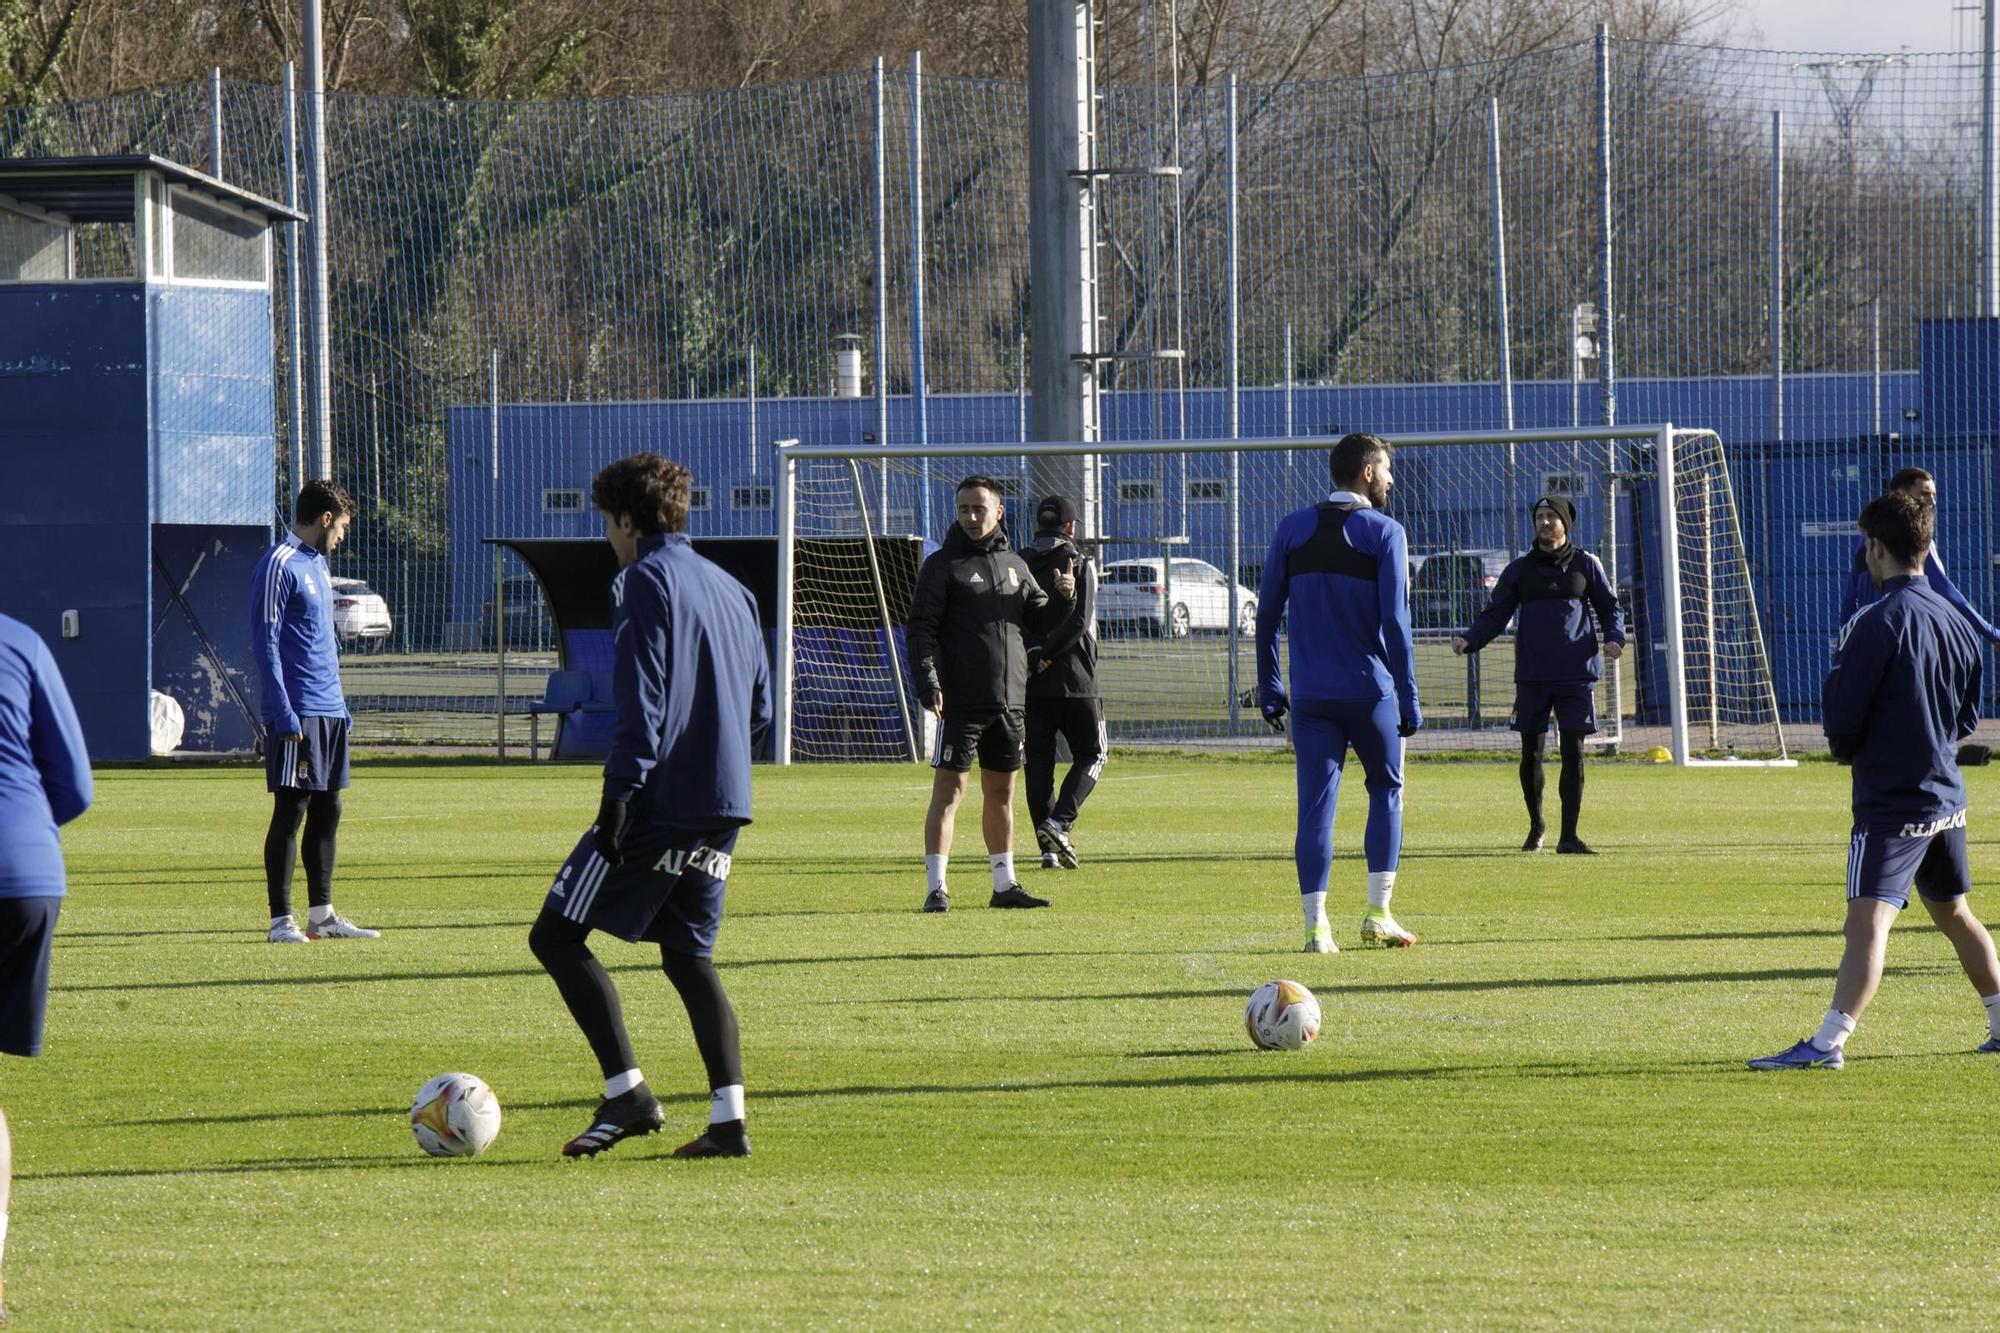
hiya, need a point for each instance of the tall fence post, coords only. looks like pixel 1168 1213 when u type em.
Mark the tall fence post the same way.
pixel 1776 315
pixel 1233 520
pixel 882 281
pixel 316 231
pixel 215 121
pixel 781 669
pixel 1500 324
pixel 1989 162
pixel 750 395
pixel 919 408
pixel 499 565
pixel 1607 317
pixel 1875 364
pixel 295 330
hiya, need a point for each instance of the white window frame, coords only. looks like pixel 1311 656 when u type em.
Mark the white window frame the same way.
pixel 1208 490
pixel 173 191
pixel 759 493
pixel 1138 491
pixel 699 500
pixel 567 493
pixel 35 214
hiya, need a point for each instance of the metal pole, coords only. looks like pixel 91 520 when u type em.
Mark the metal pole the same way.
pixel 882 281
pixel 1670 595
pixel 499 566
pixel 375 433
pixel 882 612
pixel 1234 518
pixel 1607 315
pixel 781 670
pixel 750 389
pixel 1291 413
pixel 294 300
pixel 919 409
pixel 1021 388
pixel 1713 684
pixel 215 121
pixel 1875 361
pixel 1989 166
pixel 1777 298
pixel 1500 331
pixel 316 230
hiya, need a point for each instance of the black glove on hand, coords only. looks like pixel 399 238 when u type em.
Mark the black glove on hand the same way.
pixel 1409 726
pixel 610 827
pixel 1274 714
pixel 1973 755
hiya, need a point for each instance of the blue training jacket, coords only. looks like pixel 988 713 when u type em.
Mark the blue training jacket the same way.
pixel 1860 591
pixel 692 686
pixel 1554 593
pixel 291 636
pixel 44 769
pixel 1338 576
pixel 1903 691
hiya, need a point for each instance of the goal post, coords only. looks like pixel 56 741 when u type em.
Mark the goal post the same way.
pixel 1185 527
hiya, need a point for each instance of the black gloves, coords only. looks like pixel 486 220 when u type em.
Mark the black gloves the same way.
pixel 1974 755
pixel 1410 726
pixel 1274 715
pixel 610 827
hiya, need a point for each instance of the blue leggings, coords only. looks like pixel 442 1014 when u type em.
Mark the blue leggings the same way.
pixel 1321 734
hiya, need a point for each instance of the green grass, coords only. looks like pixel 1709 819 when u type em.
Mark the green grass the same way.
pixel 1537 1117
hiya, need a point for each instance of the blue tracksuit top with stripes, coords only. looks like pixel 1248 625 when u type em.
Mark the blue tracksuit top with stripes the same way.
pixel 44 769
pixel 692 686
pixel 1338 576
pixel 1860 591
pixel 1903 691
pixel 291 636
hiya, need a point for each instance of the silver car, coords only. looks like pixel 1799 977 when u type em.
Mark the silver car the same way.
pixel 1173 599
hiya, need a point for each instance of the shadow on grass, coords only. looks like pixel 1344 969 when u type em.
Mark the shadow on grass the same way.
pixel 194 1121
pixel 261 1165
pixel 520 924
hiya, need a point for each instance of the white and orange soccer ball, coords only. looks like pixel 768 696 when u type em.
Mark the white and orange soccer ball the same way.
pixel 1281 1016
pixel 455 1115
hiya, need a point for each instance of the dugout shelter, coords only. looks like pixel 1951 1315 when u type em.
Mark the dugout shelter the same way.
pixel 138 436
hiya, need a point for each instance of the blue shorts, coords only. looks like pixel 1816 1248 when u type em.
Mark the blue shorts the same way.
pixel 1883 861
pixel 667 889
pixel 316 763
pixel 27 929
pixel 1574 706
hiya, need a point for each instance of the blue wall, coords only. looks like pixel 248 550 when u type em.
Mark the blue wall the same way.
pixel 214 456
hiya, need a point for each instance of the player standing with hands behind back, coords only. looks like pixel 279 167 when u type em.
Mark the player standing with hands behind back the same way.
pixel 973 597
pixel 1554 588
pixel 1344 568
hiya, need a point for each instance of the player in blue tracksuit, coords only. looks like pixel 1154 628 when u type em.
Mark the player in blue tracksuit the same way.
pixel 1903 692
pixel 1554 588
pixel 305 716
pixel 1338 576
pixel 693 694
pixel 1860 589
pixel 44 783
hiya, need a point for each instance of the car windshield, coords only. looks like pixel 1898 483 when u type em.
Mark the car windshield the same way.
pixel 1132 574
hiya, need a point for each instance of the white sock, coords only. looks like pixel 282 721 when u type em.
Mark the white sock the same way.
pixel 725 1104
pixel 1381 883
pixel 319 914
pixel 1992 1003
pixel 285 920
pixel 3 1235
pixel 1834 1031
pixel 1315 905
pixel 620 1084
pixel 1003 869
pixel 934 869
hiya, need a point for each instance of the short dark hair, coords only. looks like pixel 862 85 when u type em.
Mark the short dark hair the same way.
pixel 977 479
pixel 1901 522
pixel 646 488
pixel 1353 453
pixel 322 497
pixel 1908 477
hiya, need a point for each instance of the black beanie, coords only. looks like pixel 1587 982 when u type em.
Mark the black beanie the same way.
pixel 1565 510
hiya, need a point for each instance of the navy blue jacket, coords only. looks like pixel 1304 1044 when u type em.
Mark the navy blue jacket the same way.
pixel 1554 593
pixel 44 769
pixel 292 639
pixel 1860 591
pixel 692 686
pixel 1338 576
pixel 1903 691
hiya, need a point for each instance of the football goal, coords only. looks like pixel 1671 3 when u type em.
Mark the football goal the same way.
pixel 1179 530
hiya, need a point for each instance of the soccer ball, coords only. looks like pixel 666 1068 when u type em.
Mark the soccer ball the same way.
pixel 455 1115
pixel 1281 1016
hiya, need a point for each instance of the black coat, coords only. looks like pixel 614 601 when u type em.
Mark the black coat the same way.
pixel 1070 648
pixel 971 604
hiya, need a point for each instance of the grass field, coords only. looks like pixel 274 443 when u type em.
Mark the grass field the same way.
pixel 1537 1117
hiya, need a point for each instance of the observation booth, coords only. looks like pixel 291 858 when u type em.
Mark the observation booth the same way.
pixel 137 437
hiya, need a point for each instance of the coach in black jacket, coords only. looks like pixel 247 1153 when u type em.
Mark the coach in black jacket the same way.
pixel 973 597
pixel 1062 689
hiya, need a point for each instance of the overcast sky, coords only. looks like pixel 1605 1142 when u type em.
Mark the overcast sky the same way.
pixel 1859 26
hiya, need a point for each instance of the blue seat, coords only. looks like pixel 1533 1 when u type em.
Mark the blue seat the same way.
pixel 567 692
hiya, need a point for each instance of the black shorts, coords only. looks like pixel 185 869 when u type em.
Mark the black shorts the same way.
pixel 997 736
pixel 1574 706
pixel 666 889
pixel 27 929
pixel 1884 861
pixel 316 763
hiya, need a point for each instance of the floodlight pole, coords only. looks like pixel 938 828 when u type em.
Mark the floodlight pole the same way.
pixel 316 231
pixel 215 121
pixel 1233 520
pixel 1500 329
pixel 1607 318
pixel 919 407
pixel 293 298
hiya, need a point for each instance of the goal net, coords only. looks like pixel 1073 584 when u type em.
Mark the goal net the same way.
pixel 1180 532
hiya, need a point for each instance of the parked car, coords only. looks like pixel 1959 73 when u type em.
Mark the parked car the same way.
pixel 1153 597
pixel 1449 588
pixel 360 616
pixel 524 610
